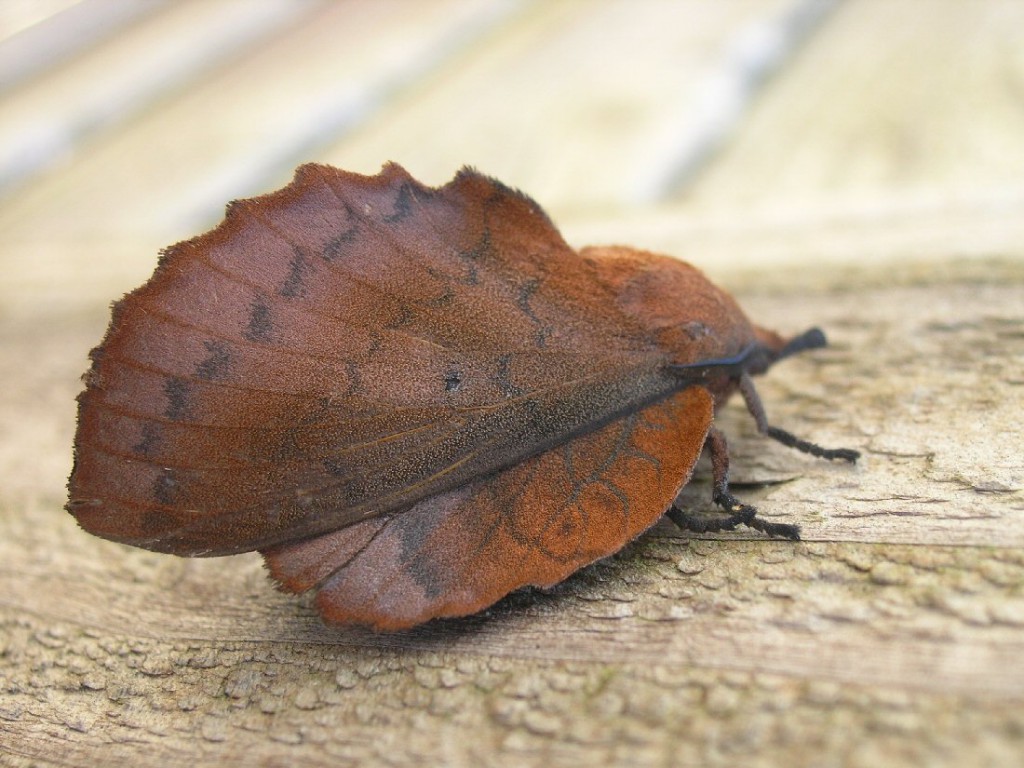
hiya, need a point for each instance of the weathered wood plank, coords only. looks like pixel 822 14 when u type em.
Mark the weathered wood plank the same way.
pixel 910 98
pixel 40 35
pixel 571 104
pixel 51 118
pixel 892 635
pixel 107 647
pixel 251 122
pixel 239 704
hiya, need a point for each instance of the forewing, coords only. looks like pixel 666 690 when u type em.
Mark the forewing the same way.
pixel 535 523
pixel 342 348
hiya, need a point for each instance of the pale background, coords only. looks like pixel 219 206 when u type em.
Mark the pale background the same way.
pixel 856 164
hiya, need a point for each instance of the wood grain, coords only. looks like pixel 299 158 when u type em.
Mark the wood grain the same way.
pixel 873 189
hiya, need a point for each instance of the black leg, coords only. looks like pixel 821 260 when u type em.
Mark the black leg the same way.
pixel 753 401
pixel 739 513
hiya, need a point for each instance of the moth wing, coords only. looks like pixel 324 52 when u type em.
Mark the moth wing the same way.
pixel 535 523
pixel 344 347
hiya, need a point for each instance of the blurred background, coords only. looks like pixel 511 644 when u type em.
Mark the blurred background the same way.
pixel 712 130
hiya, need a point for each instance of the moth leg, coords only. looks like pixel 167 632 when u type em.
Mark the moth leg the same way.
pixel 739 513
pixel 756 408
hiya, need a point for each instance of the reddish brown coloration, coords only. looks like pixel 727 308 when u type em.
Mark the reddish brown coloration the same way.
pixel 412 400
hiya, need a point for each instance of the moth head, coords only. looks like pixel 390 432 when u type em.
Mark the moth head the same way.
pixel 722 375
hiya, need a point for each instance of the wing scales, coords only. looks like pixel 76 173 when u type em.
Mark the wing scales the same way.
pixel 345 347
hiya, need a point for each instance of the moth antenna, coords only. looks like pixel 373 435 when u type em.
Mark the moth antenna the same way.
pixel 813 338
pixel 756 408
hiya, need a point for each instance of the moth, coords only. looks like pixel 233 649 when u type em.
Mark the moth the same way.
pixel 412 400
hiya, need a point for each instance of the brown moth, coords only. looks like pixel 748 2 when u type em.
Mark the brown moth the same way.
pixel 412 400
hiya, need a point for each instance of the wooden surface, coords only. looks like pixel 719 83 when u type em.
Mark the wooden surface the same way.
pixel 853 164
